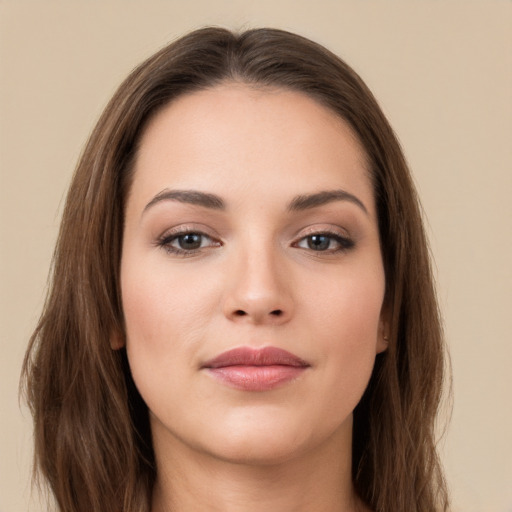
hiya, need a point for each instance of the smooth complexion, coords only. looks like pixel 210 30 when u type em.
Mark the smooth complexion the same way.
pixel 251 223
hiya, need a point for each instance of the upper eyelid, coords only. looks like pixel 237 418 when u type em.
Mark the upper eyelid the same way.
pixel 322 229
pixel 174 236
pixel 188 228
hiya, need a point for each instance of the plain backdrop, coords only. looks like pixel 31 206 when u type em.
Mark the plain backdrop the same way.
pixel 442 73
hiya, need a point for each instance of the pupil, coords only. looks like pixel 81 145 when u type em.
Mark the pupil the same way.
pixel 190 241
pixel 318 242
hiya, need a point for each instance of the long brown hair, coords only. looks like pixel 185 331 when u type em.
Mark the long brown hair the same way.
pixel 92 436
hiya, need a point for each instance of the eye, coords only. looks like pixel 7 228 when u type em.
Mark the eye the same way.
pixel 325 242
pixel 187 243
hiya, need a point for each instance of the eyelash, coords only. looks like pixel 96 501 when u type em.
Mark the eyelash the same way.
pixel 344 243
pixel 165 242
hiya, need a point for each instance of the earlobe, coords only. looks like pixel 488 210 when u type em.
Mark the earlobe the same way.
pixel 383 335
pixel 116 340
pixel 382 343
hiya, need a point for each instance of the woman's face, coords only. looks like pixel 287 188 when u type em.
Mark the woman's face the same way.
pixel 252 279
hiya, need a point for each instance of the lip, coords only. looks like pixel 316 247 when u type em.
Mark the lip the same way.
pixel 261 369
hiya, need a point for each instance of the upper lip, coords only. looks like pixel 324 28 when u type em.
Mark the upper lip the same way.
pixel 248 356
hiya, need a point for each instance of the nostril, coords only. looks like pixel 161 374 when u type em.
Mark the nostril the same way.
pixel 276 312
pixel 240 312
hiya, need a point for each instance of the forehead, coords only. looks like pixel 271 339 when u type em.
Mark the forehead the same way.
pixel 237 136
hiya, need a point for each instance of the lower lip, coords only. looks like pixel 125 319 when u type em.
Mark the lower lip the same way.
pixel 257 378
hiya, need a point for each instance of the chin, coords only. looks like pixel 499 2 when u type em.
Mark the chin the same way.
pixel 258 451
pixel 268 441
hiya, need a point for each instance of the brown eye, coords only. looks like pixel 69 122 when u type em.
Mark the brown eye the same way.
pixel 189 241
pixel 319 242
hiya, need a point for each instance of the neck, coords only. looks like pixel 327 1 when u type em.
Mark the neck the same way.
pixel 318 480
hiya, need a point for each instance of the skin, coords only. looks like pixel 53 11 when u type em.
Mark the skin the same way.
pixel 254 281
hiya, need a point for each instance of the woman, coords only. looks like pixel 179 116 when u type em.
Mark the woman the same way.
pixel 242 314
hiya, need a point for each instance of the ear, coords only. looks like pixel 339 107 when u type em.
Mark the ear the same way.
pixel 116 339
pixel 383 334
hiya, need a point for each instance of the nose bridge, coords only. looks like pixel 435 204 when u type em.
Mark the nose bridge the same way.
pixel 257 290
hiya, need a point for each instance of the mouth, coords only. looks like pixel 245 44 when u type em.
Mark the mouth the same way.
pixel 250 369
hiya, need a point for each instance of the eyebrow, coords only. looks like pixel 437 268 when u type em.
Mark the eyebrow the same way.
pixel 189 197
pixel 306 202
pixel 212 201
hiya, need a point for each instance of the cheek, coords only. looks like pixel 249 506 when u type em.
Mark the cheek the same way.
pixel 161 307
pixel 166 316
pixel 347 323
pixel 349 303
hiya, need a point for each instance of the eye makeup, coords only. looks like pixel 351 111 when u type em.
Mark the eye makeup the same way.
pixel 188 241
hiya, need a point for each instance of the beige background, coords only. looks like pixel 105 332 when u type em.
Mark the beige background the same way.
pixel 442 72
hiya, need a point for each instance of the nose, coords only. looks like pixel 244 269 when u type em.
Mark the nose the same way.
pixel 258 290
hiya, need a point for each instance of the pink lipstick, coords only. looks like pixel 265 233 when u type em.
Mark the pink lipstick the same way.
pixel 251 369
